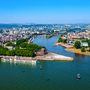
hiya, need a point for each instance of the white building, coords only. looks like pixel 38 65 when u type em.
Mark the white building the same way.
pixel 84 44
pixel 11 32
pixel 10 47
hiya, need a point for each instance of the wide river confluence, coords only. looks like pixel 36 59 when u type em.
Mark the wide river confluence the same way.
pixel 55 75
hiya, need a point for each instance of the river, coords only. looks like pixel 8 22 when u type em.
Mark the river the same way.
pixel 55 75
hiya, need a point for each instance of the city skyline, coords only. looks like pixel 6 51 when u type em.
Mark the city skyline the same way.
pixel 45 12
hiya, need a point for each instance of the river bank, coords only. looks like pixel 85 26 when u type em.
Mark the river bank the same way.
pixel 49 56
pixel 53 56
pixel 64 45
pixel 77 51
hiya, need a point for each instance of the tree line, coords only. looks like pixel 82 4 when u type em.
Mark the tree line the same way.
pixel 24 49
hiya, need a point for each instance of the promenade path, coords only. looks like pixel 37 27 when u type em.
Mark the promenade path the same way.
pixel 53 56
pixel 49 56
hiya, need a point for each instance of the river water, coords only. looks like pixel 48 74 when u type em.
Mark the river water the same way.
pixel 55 75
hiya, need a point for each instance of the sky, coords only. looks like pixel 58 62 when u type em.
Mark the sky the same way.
pixel 45 11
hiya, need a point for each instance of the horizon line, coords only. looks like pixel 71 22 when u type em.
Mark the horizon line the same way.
pixel 43 23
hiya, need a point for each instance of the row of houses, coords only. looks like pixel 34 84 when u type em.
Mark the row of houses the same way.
pixel 75 35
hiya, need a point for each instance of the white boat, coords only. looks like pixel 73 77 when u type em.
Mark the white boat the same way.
pixel 19 60
pixel 15 59
pixel 11 59
pixel 78 76
pixel 34 61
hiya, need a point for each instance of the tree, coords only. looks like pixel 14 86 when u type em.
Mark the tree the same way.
pixel 3 51
pixel 35 34
pixel 60 40
pixel 82 38
pixel 27 33
pixel 65 40
pixel 31 53
pixel 23 45
pixel 10 52
pixel 83 49
pixel 17 51
pixel 16 48
pixel 87 39
pixel 7 30
pixel 21 41
pixel 16 39
pixel 32 45
pixel 89 44
pixel 77 44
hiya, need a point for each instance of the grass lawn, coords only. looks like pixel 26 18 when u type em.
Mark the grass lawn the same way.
pixel 78 51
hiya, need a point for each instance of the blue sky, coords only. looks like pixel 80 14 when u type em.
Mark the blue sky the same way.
pixel 45 11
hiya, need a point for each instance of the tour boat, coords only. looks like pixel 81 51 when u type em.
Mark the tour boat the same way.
pixel 78 76
pixel 27 61
pixel 19 60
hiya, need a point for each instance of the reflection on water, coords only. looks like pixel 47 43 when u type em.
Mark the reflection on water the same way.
pixel 19 63
pixel 79 55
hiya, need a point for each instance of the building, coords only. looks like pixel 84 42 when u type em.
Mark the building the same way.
pixel 84 44
pixel 11 32
pixel 1 44
pixel 10 47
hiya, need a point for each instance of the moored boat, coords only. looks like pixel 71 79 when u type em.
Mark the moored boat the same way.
pixel 19 60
